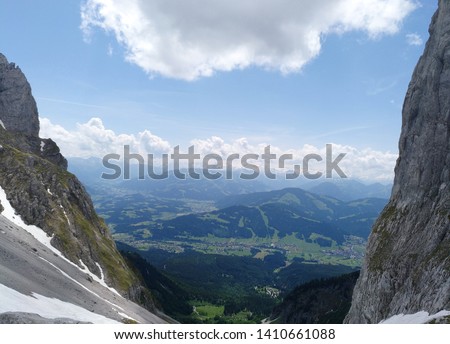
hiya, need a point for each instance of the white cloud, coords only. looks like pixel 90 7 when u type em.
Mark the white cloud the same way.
pixel 187 40
pixel 414 39
pixel 92 139
pixel 365 164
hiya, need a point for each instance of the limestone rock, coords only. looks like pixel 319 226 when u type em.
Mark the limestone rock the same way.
pixel 18 110
pixel 407 265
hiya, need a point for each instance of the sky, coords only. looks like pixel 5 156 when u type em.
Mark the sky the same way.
pixel 228 76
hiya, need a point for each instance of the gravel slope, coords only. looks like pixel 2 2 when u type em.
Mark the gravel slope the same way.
pixel 30 268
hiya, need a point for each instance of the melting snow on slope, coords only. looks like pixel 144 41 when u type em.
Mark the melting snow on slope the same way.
pixel 417 318
pixel 98 280
pixel 115 307
pixel 13 301
pixel 65 214
pixel 43 238
pixel 81 285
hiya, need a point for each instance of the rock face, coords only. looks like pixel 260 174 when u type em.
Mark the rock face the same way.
pixel 19 115
pixel 18 110
pixel 407 265
pixel 34 175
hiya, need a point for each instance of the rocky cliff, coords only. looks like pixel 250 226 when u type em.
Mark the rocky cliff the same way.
pixel 18 110
pixel 34 176
pixel 407 265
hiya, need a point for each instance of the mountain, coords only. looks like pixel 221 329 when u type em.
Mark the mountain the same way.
pixel 192 189
pixel 324 301
pixel 297 222
pixel 350 190
pixel 287 224
pixel 53 244
pixel 284 212
pixel 90 171
pixel 407 265
pixel 168 295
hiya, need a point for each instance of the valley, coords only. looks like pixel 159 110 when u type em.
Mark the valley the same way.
pixel 236 250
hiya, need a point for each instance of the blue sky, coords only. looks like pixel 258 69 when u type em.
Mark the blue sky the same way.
pixel 350 93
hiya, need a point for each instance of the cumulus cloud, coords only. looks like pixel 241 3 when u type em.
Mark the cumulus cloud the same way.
pixel 365 164
pixel 414 39
pixel 92 139
pixel 187 39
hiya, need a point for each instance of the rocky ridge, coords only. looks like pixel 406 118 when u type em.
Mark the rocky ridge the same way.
pixel 34 175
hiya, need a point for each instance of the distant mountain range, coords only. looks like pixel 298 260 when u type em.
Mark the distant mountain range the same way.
pixel 89 171
pixel 349 190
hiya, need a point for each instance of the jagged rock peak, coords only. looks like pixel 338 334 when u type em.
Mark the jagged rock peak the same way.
pixel 407 265
pixel 18 110
pixel 19 119
pixel 3 60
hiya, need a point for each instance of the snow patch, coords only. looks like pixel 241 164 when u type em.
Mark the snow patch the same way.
pixel 49 192
pixel 126 316
pixel 101 280
pixel 65 214
pixel 421 317
pixel 2 124
pixel 50 308
pixel 102 276
pixel 42 146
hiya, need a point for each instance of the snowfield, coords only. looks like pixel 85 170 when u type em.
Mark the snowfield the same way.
pixel 417 318
pixel 13 301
